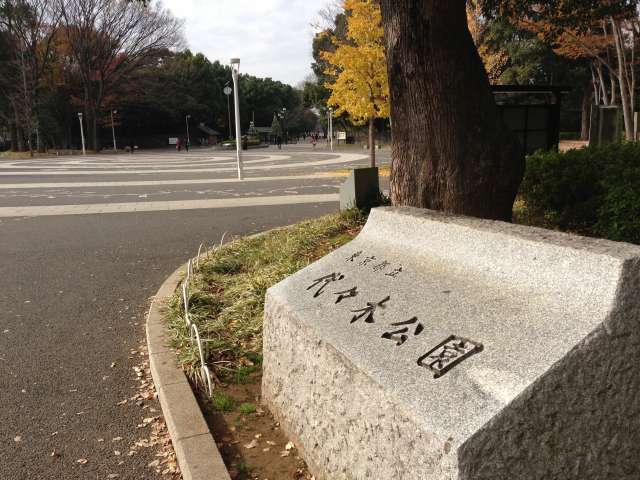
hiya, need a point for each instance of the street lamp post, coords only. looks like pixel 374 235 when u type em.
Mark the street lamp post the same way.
pixel 284 125
pixel 113 131
pixel 227 91
pixel 84 151
pixel 186 120
pixel 235 68
pixel 331 127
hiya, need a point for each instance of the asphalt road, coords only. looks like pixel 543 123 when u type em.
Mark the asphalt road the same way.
pixel 84 243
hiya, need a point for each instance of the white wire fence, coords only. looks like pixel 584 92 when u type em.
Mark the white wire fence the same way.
pixel 193 267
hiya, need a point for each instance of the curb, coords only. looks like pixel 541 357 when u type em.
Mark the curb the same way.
pixel 196 451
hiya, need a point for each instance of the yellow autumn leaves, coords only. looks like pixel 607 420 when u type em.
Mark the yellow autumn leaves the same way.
pixel 358 64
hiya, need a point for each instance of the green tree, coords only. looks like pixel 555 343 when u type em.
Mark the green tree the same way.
pixel 276 130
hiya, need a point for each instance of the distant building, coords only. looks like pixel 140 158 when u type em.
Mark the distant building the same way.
pixel 212 136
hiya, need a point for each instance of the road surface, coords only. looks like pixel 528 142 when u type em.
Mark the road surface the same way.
pixel 84 243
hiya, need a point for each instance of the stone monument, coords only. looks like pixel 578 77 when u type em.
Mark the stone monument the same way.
pixel 438 347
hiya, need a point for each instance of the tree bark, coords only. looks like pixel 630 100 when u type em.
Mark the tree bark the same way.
pixel 623 80
pixel 372 144
pixel 586 111
pixel 450 148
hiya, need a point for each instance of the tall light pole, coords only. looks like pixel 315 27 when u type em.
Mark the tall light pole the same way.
pixel 227 91
pixel 331 127
pixel 84 151
pixel 284 125
pixel 186 120
pixel 113 131
pixel 235 68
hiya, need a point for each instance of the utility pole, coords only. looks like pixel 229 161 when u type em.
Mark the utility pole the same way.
pixel 227 91
pixel 84 152
pixel 235 69
pixel 186 120
pixel 113 131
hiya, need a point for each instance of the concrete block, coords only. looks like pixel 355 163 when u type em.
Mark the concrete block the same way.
pixel 181 411
pixel 199 459
pixel 438 347
pixel 157 339
pixel 166 369
pixel 361 189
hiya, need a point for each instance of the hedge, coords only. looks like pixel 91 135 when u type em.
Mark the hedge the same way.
pixel 592 191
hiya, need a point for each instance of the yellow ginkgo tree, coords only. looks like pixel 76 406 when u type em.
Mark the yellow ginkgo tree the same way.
pixel 359 67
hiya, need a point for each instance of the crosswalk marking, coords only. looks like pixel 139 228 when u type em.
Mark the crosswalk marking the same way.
pixel 165 169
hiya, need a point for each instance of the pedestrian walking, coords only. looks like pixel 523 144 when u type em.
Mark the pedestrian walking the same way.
pixel 313 142
pixel 178 144
pixel 279 141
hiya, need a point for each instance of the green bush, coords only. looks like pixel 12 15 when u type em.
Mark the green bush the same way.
pixel 592 191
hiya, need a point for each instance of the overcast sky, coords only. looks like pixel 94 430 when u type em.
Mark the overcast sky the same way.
pixel 271 37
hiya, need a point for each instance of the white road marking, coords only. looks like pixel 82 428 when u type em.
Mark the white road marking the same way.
pixel 12 186
pixel 341 158
pixel 157 164
pixel 94 208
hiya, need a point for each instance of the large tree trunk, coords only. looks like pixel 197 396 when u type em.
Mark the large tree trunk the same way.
pixel 586 111
pixel 372 144
pixel 450 148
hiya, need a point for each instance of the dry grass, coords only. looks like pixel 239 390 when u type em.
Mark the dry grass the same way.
pixel 227 295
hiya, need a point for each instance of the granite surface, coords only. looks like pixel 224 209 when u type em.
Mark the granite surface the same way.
pixel 552 316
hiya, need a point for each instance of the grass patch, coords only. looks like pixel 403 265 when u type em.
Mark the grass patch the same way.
pixel 247 408
pixel 222 402
pixel 227 295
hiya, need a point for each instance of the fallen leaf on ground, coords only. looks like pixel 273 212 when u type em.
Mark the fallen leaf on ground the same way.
pixel 285 453
pixel 289 446
pixel 251 444
pixel 82 461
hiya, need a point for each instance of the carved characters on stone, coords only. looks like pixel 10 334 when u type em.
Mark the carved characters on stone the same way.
pixel 448 353
pixel 367 260
pixel 352 292
pixel 355 255
pixel 381 266
pixel 323 282
pixel 368 311
pixel 401 335
pixel 440 359
pixel 370 261
pixel 395 272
